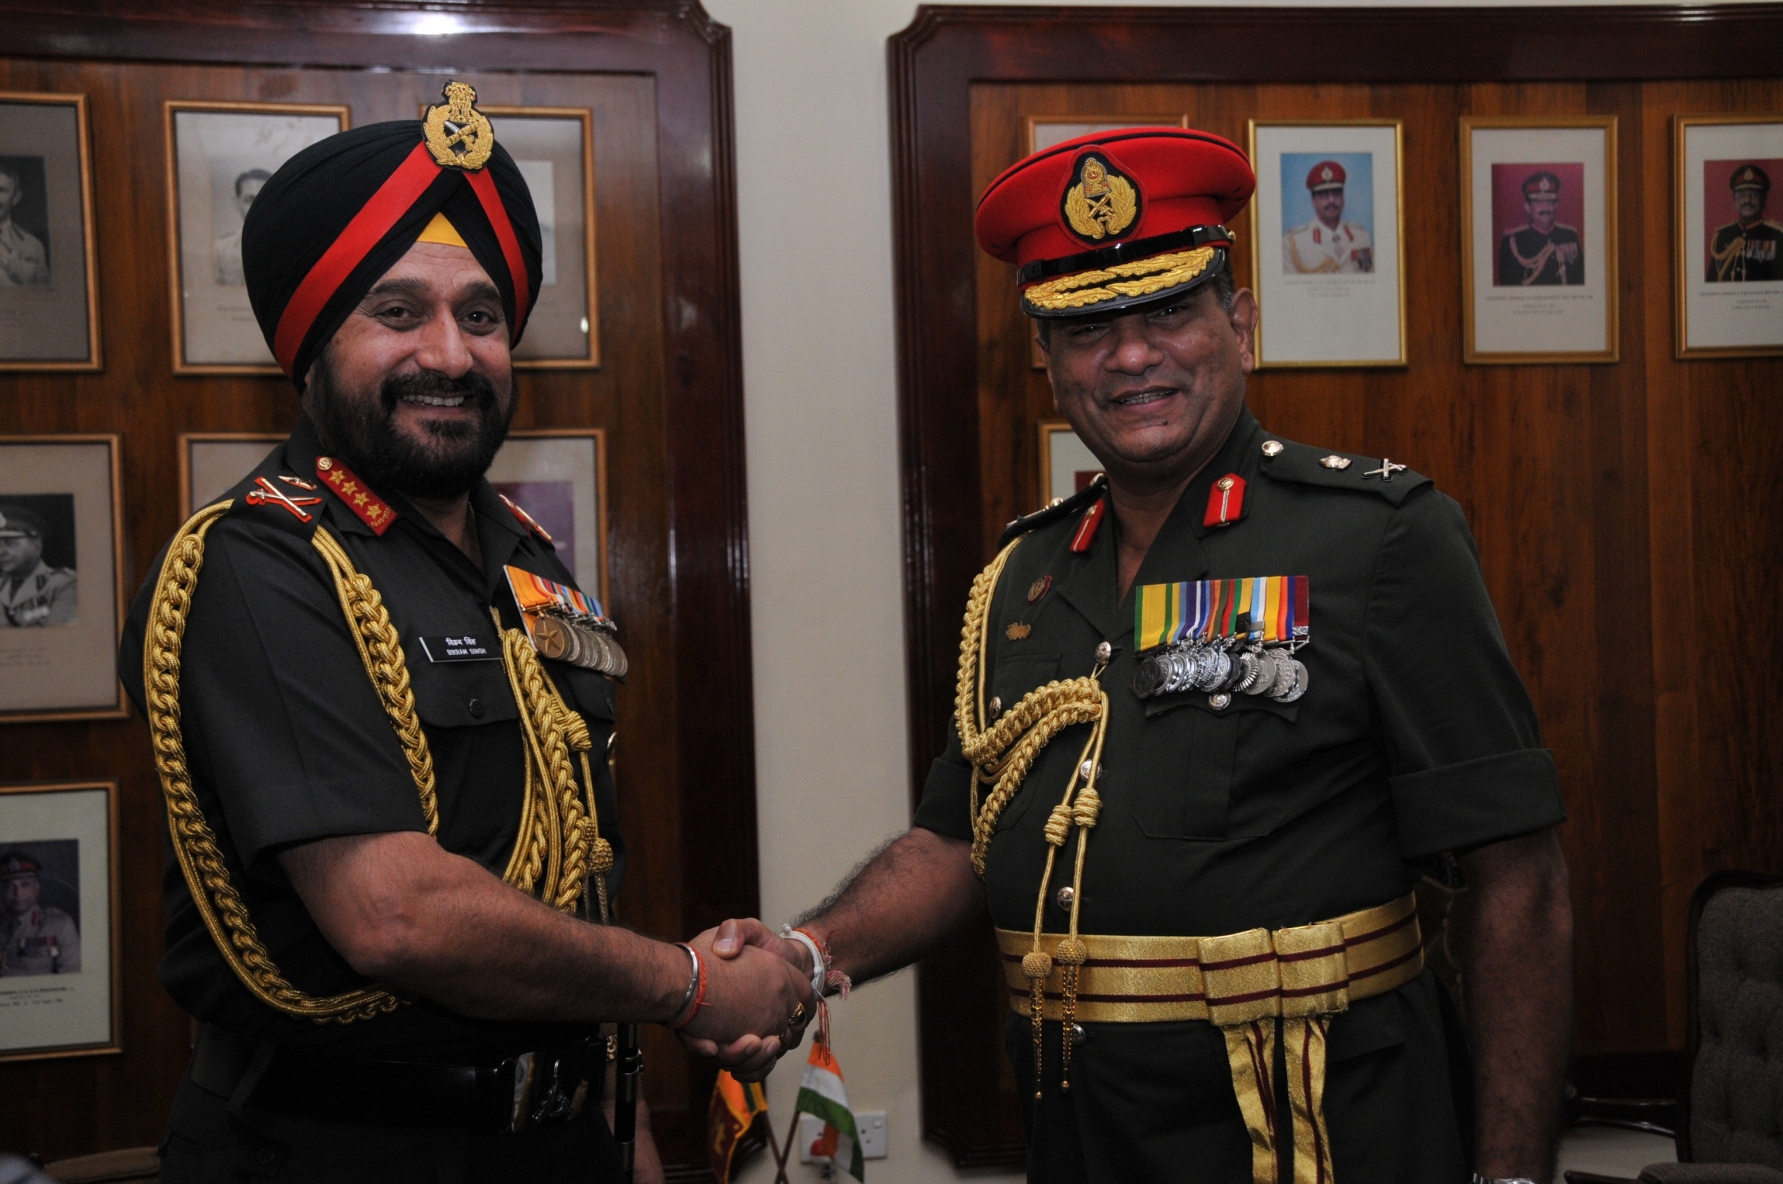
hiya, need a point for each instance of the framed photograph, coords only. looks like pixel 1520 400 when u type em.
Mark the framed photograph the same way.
pixel 59 972
pixel 1730 235
pixel 560 478
pixel 1066 463
pixel 1327 222
pixel 1046 130
pixel 1538 239
pixel 61 578
pixel 218 157
pixel 212 462
pixel 49 298
pixel 1043 131
pixel 554 147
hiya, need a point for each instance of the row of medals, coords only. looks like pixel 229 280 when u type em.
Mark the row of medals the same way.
pixel 1220 666
pixel 580 640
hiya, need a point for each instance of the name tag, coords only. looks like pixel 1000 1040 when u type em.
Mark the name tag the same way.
pixel 462 648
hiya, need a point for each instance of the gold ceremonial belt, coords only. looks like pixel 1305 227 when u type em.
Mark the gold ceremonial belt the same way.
pixel 1307 970
pixel 1241 983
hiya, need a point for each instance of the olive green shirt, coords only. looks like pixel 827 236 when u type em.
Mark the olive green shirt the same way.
pixel 1415 735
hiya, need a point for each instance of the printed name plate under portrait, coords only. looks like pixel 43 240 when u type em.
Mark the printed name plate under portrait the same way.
pixel 1326 234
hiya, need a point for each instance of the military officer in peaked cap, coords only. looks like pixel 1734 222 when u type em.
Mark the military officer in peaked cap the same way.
pixel 40 939
pixel 1328 244
pixel 32 592
pixel 389 807
pixel 1746 249
pixel 1214 715
pixel 1543 251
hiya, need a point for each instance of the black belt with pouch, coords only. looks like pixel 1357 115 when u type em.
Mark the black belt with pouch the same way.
pixel 548 1087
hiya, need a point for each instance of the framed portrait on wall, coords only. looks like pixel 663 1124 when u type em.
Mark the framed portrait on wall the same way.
pixel 554 147
pixel 219 155
pixel 1730 234
pixel 1066 463
pixel 59 969
pixel 1043 131
pixel 61 578
pixel 1538 239
pixel 49 297
pixel 212 462
pixel 559 477
pixel 1327 223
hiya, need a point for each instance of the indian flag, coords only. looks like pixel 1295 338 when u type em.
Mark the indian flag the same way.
pixel 822 1095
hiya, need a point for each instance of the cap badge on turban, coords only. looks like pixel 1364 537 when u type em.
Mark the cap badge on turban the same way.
pixel 1102 202
pixel 459 135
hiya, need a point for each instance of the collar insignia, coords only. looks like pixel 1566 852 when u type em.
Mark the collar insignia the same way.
pixel 526 519
pixel 356 495
pixel 1100 202
pixel 459 135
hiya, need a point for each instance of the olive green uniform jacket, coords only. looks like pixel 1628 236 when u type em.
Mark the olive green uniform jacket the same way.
pixel 1415 737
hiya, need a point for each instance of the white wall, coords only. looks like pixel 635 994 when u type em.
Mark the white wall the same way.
pixel 814 202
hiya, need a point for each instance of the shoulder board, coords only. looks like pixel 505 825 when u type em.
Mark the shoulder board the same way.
pixel 1284 460
pixel 526 520
pixel 1060 508
pixel 355 494
pixel 1776 226
pixel 282 500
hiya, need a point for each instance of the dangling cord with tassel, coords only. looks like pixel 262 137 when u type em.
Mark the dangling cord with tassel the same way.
pixel 1072 952
pixel 1037 963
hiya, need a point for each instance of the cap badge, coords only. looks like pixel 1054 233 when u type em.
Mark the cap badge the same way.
pixel 1103 203
pixel 459 135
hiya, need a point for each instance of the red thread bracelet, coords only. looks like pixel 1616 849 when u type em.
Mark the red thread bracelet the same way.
pixel 699 990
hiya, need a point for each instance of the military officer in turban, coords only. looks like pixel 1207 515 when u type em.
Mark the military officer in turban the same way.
pixel 1216 718
pixel 392 852
pixel 1746 249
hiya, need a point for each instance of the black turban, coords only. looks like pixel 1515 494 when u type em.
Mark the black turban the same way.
pixel 339 214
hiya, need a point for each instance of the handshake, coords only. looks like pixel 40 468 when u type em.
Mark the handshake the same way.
pixel 755 1001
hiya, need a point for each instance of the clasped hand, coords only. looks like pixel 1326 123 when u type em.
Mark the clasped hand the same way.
pixel 758 998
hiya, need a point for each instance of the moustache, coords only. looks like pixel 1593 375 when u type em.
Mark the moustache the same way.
pixel 475 389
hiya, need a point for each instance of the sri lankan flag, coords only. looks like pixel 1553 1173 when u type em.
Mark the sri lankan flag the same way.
pixel 821 1095
pixel 734 1107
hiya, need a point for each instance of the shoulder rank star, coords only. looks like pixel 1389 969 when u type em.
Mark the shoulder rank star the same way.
pixel 1336 462
pixel 1386 471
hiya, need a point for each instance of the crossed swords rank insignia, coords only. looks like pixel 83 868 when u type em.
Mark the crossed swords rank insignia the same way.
pixel 459 135
pixel 269 494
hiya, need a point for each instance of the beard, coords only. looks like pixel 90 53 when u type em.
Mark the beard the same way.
pixel 446 463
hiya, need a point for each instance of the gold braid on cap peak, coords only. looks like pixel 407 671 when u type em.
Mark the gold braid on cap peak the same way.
pixel 558 847
pixel 1124 280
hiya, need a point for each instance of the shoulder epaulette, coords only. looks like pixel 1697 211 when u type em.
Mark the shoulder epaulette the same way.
pixel 1283 460
pixel 1059 508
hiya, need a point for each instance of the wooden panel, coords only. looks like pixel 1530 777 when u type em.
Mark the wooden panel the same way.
pixel 1577 480
pixel 657 82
